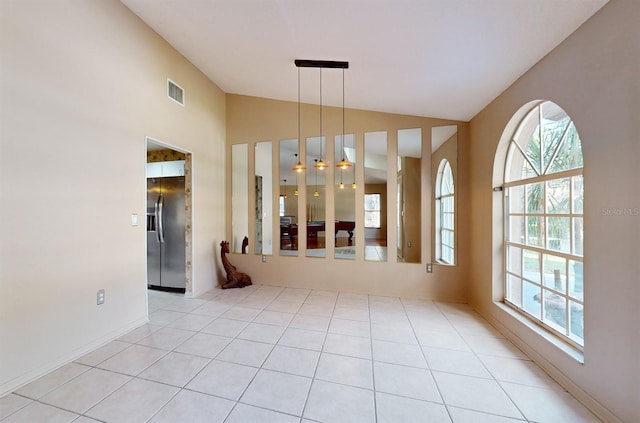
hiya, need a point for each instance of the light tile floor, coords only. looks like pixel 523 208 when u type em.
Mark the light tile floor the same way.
pixel 271 354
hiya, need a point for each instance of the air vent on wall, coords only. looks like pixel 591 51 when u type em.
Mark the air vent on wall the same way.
pixel 175 92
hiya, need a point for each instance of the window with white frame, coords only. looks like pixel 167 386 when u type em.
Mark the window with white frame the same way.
pixel 543 213
pixel 445 217
pixel 372 211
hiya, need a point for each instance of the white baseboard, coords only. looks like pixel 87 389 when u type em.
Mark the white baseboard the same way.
pixel 30 376
pixel 587 400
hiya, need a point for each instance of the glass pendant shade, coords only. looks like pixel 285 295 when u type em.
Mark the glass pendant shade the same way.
pixel 299 167
pixel 343 164
pixel 320 165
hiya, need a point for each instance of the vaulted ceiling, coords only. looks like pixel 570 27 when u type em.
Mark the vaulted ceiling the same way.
pixel 437 58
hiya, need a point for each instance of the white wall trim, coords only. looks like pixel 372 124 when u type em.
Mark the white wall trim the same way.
pixel 29 377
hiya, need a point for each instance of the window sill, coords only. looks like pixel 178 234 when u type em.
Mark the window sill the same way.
pixel 567 349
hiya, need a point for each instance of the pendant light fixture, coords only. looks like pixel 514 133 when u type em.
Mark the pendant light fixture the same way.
pixel 320 164
pixel 299 167
pixel 343 164
pixel 300 63
pixel 285 189
pixel 341 185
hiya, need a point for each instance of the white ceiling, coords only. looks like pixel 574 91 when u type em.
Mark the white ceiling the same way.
pixel 437 58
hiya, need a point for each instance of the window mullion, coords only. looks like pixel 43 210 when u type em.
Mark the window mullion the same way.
pixel 525 157
pixel 540 137
pixel 566 298
pixel 555 151
pixel 544 178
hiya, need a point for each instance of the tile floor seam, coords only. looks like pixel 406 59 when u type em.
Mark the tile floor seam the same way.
pixel 78 415
pixel 315 370
pixel 273 409
pixel 18 409
pixel 260 407
pixel 168 384
pixel 238 400
pixel 482 363
pixel 83 413
pixel 46 404
pixel 53 389
pixel 95 366
pixel 373 370
pixel 166 352
pixel 424 355
pixel 524 419
pixel 163 405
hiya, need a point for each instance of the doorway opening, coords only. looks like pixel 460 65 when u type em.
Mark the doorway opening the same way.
pixel 169 218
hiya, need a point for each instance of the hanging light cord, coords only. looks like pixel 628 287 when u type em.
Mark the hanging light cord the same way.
pixel 298 112
pixel 321 114
pixel 343 115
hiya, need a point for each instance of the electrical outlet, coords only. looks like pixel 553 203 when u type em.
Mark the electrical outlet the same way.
pixel 429 268
pixel 100 296
pixel 264 259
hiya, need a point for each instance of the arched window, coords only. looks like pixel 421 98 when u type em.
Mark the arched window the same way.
pixel 445 217
pixel 543 209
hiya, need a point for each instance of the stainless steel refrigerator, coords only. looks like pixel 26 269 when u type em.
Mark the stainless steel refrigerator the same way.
pixel 166 234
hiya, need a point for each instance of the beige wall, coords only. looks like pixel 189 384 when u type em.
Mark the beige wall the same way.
pixel 251 119
pixel 594 76
pixel 82 84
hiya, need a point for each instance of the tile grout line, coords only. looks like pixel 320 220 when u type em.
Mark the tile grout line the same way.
pixel 373 372
pixel 211 359
pixel 238 401
pixel 315 370
pixel 483 365
pixel 424 355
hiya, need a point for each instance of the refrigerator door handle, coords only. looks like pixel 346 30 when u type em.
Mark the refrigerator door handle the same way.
pixel 156 211
pixel 160 218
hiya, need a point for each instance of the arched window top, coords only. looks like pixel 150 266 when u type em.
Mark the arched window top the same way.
pixel 546 142
pixel 543 197
pixel 445 214
pixel 444 181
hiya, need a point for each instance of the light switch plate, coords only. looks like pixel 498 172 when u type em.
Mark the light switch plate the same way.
pixel 100 296
pixel 134 219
